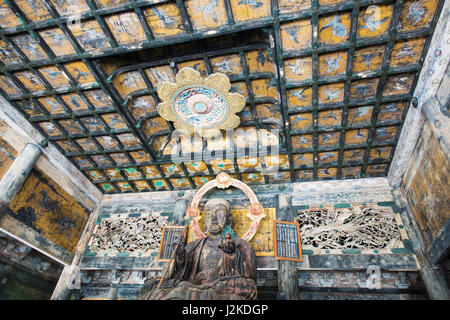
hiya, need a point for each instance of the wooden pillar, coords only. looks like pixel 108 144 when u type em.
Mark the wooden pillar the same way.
pixel 71 276
pixel 287 270
pixel 68 280
pixel 433 279
pixel 15 176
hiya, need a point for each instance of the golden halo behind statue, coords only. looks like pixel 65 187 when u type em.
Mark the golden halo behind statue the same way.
pixel 223 181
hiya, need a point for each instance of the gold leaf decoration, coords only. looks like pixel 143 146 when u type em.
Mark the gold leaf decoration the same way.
pixel 218 81
pixel 236 101
pixel 166 89
pixel 164 111
pixel 187 76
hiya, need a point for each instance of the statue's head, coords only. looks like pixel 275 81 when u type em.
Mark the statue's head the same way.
pixel 217 216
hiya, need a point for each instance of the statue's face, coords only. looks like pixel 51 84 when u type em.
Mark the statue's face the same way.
pixel 216 218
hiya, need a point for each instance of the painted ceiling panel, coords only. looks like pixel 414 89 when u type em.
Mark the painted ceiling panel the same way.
pixel 334 77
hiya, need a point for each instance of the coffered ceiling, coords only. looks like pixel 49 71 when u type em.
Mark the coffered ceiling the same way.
pixel 333 78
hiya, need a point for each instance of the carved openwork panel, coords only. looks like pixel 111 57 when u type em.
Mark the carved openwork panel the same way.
pixel 127 235
pixel 355 227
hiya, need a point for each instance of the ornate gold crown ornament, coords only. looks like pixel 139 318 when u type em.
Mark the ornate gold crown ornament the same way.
pixel 197 105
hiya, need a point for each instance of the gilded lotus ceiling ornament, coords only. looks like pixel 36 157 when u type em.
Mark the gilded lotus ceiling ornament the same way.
pixel 197 105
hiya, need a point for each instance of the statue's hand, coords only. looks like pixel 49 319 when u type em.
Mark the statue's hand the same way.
pixel 181 245
pixel 227 245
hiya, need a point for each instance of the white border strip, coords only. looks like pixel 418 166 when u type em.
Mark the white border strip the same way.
pixel 342 185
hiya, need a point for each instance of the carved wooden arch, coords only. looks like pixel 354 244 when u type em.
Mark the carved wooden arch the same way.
pixel 223 181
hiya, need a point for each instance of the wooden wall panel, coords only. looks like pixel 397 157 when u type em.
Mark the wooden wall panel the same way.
pixel 426 185
pixel 48 209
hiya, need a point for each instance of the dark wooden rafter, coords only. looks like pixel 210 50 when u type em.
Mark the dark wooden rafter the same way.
pixel 278 59
pixel 398 5
pixel 348 73
pixel 315 84
pixel 101 21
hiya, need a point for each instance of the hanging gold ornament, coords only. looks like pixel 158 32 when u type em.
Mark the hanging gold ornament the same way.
pixel 197 105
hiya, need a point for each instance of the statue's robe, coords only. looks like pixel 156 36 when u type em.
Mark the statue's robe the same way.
pixel 232 278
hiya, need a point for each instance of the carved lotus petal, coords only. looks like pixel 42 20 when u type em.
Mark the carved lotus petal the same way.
pixel 218 81
pixel 236 101
pixel 188 76
pixel 165 112
pixel 232 122
pixel 165 90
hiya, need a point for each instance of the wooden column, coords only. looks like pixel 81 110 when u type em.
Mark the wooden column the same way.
pixel 67 281
pixel 14 178
pixel 71 273
pixel 287 270
pixel 433 278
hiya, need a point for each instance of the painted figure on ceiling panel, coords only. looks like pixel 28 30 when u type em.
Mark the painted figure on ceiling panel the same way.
pixel 338 29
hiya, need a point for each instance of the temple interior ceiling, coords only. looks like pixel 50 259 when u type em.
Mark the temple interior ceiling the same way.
pixel 333 78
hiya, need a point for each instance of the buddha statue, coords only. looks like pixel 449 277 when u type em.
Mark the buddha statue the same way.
pixel 220 266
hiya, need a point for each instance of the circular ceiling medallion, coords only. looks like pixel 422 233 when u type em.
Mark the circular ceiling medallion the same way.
pixel 197 105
